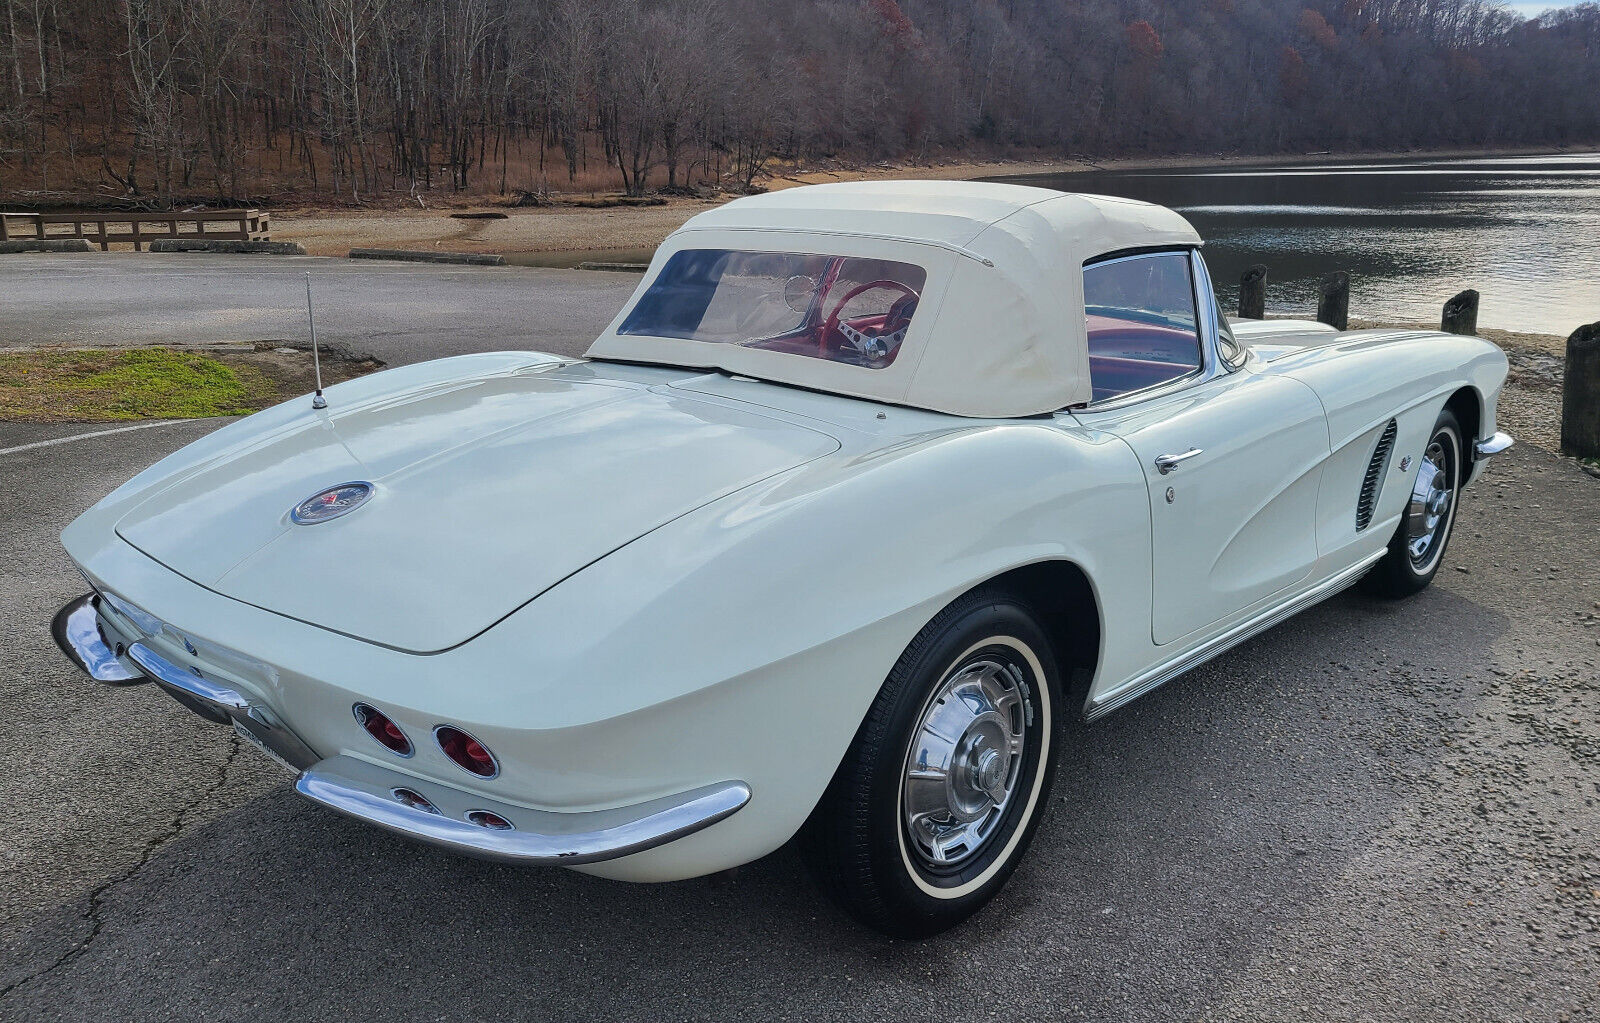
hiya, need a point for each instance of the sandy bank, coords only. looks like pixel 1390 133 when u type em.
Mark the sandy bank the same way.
pixel 561 228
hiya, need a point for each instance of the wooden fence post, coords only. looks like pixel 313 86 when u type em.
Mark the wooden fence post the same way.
pixel 1253 293
pixel 1333 303
pixel 1460 314
pixel 1580 394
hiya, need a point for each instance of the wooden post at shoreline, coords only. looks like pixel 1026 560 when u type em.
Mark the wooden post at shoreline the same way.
pixel 1580 394
pixel 1253 293
pixel 1460 314
pixel 1333 302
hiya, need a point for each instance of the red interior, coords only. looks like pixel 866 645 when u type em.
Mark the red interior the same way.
pixel 1129 355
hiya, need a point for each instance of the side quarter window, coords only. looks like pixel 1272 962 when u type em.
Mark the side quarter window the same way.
pixel 1141 321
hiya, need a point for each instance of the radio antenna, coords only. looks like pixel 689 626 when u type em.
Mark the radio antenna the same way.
pixel 317 400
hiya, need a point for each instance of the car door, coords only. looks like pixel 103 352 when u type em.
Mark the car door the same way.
pixel 1232 454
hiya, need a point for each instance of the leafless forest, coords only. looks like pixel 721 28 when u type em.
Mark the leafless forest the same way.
pixel 158 100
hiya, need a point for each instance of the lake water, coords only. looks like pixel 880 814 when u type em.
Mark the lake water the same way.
pixel 1524 231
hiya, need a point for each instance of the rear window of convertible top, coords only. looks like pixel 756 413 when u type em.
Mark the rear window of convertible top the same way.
pixel 841 308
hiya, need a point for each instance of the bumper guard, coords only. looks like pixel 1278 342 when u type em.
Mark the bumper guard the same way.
pixel 1491 446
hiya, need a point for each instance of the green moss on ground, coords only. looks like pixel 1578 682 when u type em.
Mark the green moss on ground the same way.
pixel 144 383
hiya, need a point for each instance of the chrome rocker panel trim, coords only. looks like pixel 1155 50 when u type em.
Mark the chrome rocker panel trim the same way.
pixel 365 791
pixel 76 630
pixel 1492 446
pixel 224 706
pixel 1263 621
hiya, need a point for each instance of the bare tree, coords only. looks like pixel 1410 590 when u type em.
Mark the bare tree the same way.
pixel 349 97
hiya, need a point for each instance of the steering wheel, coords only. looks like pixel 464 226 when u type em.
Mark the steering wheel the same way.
pixel 871 347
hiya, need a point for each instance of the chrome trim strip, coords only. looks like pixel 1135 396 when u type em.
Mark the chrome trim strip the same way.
pixel 1492 446
pixel 1169 670
pixel 359 789
pixel 223 705
pixel 76 630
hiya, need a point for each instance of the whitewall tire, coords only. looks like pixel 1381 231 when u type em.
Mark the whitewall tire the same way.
pixel 939 795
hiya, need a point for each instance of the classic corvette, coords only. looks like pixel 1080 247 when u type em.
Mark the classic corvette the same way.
pixel 864 491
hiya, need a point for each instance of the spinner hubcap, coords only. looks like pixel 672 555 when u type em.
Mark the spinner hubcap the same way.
pixel 965 761
pixel 1431 499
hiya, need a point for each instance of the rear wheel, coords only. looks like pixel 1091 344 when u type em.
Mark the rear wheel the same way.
pixel 1417 547
pixel 939 795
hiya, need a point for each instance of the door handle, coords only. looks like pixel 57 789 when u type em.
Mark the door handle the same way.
pixel 1167 463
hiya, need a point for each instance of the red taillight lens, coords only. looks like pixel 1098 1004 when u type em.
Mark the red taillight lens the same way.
pixel 489 819
pixel 378 725
pixel 467 752
pixel 415 800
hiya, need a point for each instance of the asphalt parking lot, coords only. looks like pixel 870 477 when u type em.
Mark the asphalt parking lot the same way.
pixel 1373 811
pixel 398 312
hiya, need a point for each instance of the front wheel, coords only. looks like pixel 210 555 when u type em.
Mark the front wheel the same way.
pixel 1417 547
pixel 938 797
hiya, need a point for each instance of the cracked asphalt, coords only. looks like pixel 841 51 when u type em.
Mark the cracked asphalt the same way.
pixel 1374 811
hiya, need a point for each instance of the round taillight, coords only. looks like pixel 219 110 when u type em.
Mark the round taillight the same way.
pixel 489 819
pixel 414 799
pixel 377 724
pixel 466 752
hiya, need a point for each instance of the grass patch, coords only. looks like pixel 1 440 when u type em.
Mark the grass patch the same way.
pixel 143 383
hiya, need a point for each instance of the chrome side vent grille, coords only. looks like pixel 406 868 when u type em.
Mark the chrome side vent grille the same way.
pixel 1372 482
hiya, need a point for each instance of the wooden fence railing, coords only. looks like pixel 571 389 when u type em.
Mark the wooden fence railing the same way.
pixel 108 229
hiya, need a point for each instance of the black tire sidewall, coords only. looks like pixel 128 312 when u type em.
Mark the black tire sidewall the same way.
pixel 1394 576
pixel 1446 423
pixel 905 889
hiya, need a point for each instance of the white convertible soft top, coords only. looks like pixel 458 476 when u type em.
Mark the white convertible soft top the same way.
pixel 1000 330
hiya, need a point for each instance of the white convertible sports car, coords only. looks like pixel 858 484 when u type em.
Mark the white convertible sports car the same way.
pixel 865 489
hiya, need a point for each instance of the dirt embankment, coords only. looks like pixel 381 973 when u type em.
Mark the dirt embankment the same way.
pixel 568 227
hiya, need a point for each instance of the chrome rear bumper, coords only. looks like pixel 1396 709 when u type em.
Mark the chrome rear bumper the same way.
pixel 76 630
pixel 369 792
pixel 224 706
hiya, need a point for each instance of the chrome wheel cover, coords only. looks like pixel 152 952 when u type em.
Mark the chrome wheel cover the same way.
pixel 1429 514
pixel 965 760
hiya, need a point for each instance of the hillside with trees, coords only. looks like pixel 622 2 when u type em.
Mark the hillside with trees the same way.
pixel 345 100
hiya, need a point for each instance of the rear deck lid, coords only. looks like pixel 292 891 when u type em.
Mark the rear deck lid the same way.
pixel 485 493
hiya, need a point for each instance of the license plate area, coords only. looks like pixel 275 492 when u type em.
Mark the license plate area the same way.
pixel 256 741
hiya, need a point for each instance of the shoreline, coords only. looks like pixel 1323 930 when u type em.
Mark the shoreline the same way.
pixel 552 230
